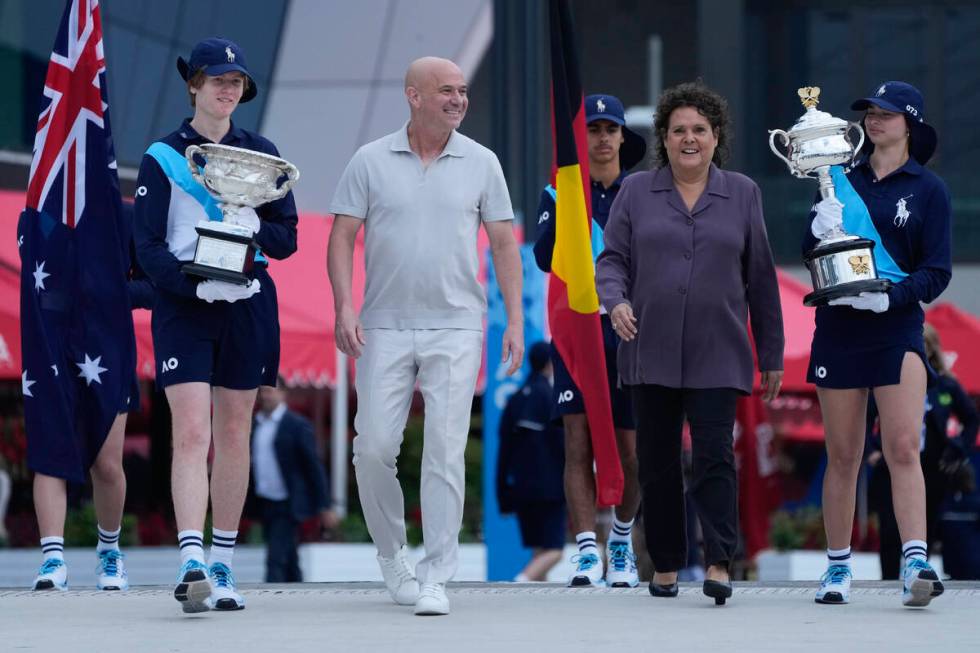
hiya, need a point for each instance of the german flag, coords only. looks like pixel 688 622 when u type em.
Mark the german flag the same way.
pixel 573 304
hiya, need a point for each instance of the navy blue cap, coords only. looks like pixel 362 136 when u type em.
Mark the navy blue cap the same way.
pixel 217 56
pixel 901 97
pixel 608 107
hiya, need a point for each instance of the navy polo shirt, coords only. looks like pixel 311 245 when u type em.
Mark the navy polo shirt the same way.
pixel 910 209
pixel 602 199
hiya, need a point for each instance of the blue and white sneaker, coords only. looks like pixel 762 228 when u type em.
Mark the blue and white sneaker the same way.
pixel 921 584
pixel 112 571
pixel 588 571
pixel 53 575
pixel 193 587
pixel 622 565
pixel 223 593
pixel 835 585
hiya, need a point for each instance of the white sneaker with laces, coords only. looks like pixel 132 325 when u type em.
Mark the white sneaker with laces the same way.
pixel 399 578
pixel 53 575
pixel 224 593
pixel 835 586
pixel 588 571
pixel 193 587
pixel 621 571
pixel 432 600
pixel 920 584
pixel 112 571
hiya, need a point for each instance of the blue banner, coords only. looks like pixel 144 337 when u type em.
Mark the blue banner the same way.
pixel 505 554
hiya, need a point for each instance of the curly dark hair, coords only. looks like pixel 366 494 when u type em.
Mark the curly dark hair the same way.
pixel 709 104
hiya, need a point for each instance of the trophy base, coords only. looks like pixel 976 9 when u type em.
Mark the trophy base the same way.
pixel 225 252
pixel 216 274
pixel 843 266
pixel 824 295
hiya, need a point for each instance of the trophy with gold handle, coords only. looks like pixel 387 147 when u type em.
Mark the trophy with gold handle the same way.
pixel 841 265
pixel 235 177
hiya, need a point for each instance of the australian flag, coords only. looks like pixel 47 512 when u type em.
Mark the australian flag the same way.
pixel 77 336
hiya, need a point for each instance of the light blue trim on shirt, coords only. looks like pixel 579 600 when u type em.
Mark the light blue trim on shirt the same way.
pixel 857 221
pixel 598 240
pixel 174 165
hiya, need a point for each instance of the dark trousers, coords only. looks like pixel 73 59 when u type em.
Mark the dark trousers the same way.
pixel 660 413
pixel 281 536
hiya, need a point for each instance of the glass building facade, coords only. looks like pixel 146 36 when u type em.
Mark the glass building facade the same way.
pixel 142 40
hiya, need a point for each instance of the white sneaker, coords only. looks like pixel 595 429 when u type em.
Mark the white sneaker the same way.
pixel 53 575
pixel 835 585
pixel 399 578
pixel 112 571
pixel 621 571
pixel 920 584
pixel 193 587
pixel 432 600
pixel 224 593
pixel 588 571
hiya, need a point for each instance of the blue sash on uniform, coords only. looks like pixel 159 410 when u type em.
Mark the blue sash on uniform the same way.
pixel 858 222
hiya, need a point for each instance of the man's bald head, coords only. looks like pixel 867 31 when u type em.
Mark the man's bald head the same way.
pixel 430 70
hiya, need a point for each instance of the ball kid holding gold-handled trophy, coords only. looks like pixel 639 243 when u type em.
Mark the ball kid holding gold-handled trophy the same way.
pixel 869 322
pixel 213 205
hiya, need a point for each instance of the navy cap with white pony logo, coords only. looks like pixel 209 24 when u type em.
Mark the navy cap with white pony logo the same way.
pixel 608 107
pixel 901 97
pixel 217 56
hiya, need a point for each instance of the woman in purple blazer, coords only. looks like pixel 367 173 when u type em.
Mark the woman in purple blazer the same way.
pixel 686 261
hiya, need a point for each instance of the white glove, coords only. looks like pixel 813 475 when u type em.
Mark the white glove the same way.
pixel 830 214
pixel 866 301
pixel 247 217
pixel 210 290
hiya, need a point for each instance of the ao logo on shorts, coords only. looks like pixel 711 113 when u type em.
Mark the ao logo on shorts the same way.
pixel 566 396
pixel 821 372
pixel 169 364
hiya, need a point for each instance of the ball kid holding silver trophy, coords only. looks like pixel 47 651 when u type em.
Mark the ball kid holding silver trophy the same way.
pixel 870 339
pixel 212 203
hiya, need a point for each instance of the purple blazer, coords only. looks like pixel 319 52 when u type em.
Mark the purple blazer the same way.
pixel 692 278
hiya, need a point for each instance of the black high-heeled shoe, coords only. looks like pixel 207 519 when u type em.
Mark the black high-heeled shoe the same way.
pixel 717 590
pixel 663 591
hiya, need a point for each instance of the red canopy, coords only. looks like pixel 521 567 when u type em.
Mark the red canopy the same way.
pixel 959 333
pixel 798 329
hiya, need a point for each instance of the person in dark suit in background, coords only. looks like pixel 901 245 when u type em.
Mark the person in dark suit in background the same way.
pixel 289 482
pixel 530 466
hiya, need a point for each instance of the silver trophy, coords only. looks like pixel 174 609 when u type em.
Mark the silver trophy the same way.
pixel 841 265
pixel 236 177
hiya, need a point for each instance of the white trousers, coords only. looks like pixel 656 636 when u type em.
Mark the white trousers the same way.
pixel 445 362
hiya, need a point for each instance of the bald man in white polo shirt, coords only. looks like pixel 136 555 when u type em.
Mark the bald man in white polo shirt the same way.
pixel 421 193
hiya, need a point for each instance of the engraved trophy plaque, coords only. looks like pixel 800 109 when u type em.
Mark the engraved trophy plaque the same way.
pixel 841 265
pixel 236 178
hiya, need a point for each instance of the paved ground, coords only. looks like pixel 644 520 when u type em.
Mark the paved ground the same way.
pixel 502 618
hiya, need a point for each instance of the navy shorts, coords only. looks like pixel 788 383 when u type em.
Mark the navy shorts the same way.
pixel 229 345
pixel 542 524
pixel 266 308
pixel 567 396
pixel 860 349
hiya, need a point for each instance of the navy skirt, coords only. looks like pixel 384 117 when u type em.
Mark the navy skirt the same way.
pixel 862 349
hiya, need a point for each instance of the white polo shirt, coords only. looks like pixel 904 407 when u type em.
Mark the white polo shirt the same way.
pixel 420 230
